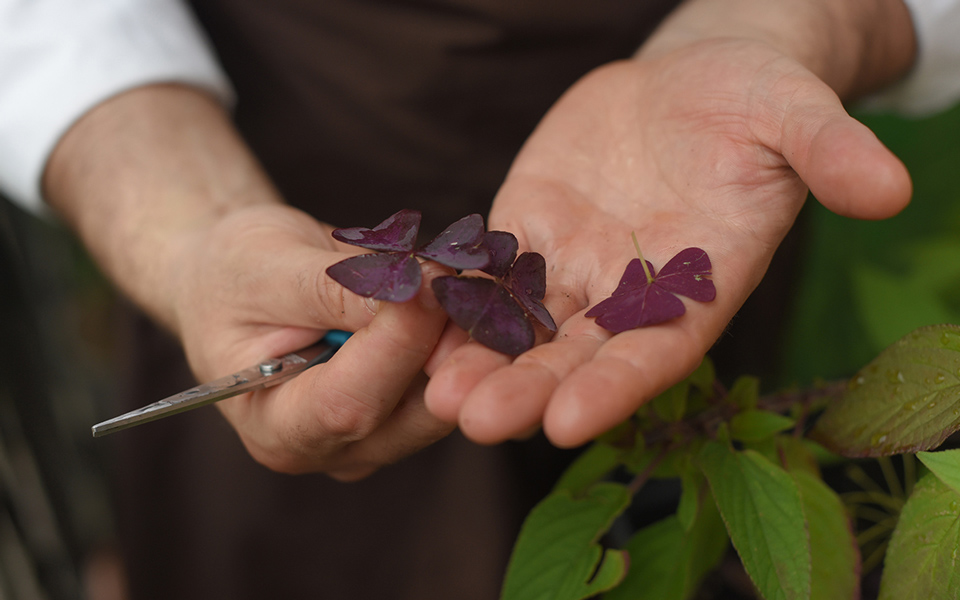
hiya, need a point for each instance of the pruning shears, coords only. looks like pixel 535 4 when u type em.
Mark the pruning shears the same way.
pixel 265 374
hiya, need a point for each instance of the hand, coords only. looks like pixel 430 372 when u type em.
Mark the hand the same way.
pixel 256 288
pixel 710 144
pixel 178 213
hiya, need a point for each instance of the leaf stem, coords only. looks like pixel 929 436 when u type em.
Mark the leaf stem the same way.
pixel 643 262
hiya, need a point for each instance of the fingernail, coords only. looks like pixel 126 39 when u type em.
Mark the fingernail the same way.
pixel 373 305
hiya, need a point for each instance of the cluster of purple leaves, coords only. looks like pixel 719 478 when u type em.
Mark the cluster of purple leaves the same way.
pixel 644 297
pixel 499 313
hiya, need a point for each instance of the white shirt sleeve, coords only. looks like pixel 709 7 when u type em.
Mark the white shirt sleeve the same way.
pixel 59 58
pixel 934 82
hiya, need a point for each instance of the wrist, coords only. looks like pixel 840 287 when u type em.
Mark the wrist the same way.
pixel 855 46
pixel 143 175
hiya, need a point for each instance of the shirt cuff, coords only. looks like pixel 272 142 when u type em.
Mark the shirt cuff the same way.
pixel 60 58
pixel 934 82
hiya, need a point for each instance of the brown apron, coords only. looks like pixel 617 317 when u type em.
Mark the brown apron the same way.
pixel 359 108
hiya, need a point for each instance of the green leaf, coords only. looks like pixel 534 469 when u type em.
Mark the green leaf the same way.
pixel 588 468
pixel 905 400
pixel 835 556
pixel 702 379
pixel 798 454
pixel 557 556
pixel 745 392
pixel 762 508
pixel 945 465
pixel 889 304
pixel 671 405
pixel 923 561
pixel 668 561
pixel 691 486
pixel 753 425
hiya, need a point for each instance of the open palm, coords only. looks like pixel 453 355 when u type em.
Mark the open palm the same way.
pixel 715 146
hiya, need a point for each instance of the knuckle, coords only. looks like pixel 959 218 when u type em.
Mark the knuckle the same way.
pixel 323 298
pixel 347 419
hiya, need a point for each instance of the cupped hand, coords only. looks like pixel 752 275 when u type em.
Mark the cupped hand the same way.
pixel 254 286
pixel 713 145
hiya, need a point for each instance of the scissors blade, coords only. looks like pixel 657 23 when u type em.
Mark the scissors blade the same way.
pixel 263 375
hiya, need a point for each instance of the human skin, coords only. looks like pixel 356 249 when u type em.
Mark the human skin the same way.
pixel 177 212
pixel 699 140
pixel 711 136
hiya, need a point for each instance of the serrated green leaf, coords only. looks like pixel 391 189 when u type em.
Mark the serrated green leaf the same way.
pixel 667 561
pixel 703 377
pixel 745 392
pixel 923 561
pixel 835 556
pixel 691 488
pixel 798 454
pixel 753 425
pixel 945 465
pixel 905 400
pixel 588 468
pixel 671 405
pixel 557 556
pixel 762 509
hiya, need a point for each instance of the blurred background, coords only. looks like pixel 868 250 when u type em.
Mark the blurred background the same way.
pixel 853 288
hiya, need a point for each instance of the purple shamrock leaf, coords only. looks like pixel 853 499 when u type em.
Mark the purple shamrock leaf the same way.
pixel 502 246
pixel 498 312
pixel 460 245
pixel 396 234
pixel 527 282
pixel 395 274
pixel 686 274
pixel 644 297
pixel 392 276
pixel 485 309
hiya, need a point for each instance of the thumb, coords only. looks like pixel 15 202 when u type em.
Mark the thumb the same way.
pixel 843 163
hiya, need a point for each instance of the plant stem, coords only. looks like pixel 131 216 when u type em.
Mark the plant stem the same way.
pixel 643 262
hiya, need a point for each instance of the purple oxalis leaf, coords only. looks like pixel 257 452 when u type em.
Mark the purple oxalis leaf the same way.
pixel 460 245
pixel 528 282
pixel 486 310
pixel 398 233
pixel 502 246
pixel 393 276
pixel 640 302
pixel 686 274
pixel 498 313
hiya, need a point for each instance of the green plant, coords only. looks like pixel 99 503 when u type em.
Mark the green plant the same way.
pixel 750 472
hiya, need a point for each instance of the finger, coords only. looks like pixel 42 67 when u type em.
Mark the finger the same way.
pixel 409 429
pixel 285 279
pixel 844 164
pixel 627 371
pixel 456 372
pixel 511 401
pixel 312 417
pixel 462 370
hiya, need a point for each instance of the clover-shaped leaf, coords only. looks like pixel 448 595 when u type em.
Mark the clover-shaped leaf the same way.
pixel 499 312
pixel 394 275
pixel 644 297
